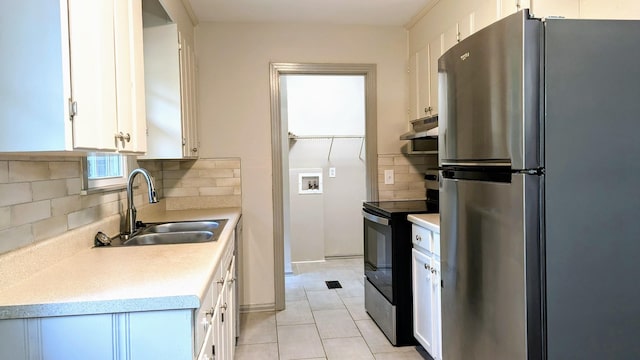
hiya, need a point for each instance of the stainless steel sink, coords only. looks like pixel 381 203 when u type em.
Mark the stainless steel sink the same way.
pixel 181 237
pixel 177 232
pixel 173 227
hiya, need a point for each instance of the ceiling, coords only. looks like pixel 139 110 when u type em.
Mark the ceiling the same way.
pixel 353 12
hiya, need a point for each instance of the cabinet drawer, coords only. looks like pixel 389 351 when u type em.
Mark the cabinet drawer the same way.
pixel 422 237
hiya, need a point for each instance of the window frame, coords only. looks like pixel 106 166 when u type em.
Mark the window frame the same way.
pixel 105 183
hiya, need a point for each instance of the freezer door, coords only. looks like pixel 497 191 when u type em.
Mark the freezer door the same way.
pixel 489 103
pixel 490 272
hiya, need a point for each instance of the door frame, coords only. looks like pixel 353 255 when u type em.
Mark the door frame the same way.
pixel 279 138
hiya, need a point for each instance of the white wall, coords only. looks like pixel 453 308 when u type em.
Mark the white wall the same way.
pixel 235 110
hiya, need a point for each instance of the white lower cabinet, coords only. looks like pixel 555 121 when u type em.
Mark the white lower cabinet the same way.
pixel 181 334
pixel 427 317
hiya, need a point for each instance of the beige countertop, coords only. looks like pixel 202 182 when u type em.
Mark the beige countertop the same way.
pixel 429 221
pixel 122 279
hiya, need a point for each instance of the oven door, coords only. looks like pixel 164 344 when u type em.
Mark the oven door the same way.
pixel 378 254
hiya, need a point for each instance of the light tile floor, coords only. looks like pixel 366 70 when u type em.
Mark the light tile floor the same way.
pixel 319 323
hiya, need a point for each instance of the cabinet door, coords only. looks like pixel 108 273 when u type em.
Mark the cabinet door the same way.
pixel 509 7
pixel 422 300
pixel 131 120
pixel 162 92
pixel 188 98
pixel 567 8
pixel 436 309
pixel 466 26
pixel 486 13
pixel 93 73
pixel 435 50
pixel 424 96
pixel 412 73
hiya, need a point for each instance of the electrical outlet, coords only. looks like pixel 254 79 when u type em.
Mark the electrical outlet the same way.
pixel 332 172
pixel 388 177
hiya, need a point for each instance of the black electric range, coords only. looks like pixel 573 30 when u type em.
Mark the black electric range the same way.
pixel 387 264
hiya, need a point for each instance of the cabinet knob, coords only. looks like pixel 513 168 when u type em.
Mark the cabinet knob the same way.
pixel 223 307
pixel 194 150
pixel 427 267
pixel 418 238
pixel 122 137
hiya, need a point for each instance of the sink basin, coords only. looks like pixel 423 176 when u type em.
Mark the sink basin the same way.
pixel 180 237
pixel 173 227
pixel 177 232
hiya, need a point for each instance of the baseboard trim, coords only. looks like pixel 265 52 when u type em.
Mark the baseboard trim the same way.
pixel 257 307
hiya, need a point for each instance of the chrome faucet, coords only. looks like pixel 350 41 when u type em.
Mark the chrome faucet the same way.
pixel 131 209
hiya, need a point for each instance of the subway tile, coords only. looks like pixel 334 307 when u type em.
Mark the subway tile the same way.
pixel 170 165
pixel 228 182
pixel 49 227
pixel 74 186
pixel 15 237
pixel 65 205
pixel 49 189
pixel 197 182
pixel 413 160
pixel 170 183
pixel 5 217
pixel 203 164
pixel 82 217
pixel 4 172
pixel 64 169
pixel 20 171
pixel 410 194
pixel 216 173
pixel 181 192
pixel 385 160
pixel 407 177
pixel 227 164
pixel 210 191
pixel 17 193
pixel 30 212
pixel 108 209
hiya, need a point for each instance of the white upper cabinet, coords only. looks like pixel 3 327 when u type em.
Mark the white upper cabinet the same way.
pixel 424 93
pixel 170 89
pixel 413 86
pixel 565 8
pixel 63 85
pixel 508 7
pixel 610 9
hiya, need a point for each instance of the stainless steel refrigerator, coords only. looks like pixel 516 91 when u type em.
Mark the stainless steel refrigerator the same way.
pixel 539 151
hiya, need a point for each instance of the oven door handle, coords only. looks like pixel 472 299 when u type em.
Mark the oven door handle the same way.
pixel 375 219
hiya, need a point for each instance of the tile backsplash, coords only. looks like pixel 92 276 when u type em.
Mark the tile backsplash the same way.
pixel 40 196
pixel 198 184
pixel 408 176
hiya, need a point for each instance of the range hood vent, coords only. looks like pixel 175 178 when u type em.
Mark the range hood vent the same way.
pixel 422 128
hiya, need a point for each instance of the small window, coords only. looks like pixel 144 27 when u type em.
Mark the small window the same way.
pixel 104 170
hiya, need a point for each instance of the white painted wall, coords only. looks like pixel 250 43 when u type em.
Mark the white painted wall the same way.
pixel 234 112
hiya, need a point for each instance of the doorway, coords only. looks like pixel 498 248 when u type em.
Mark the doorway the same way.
pixel 280 150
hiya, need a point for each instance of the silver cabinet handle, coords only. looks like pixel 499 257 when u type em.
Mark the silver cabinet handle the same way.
pixel 194 150
pixel 122 137
pixel 427 267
